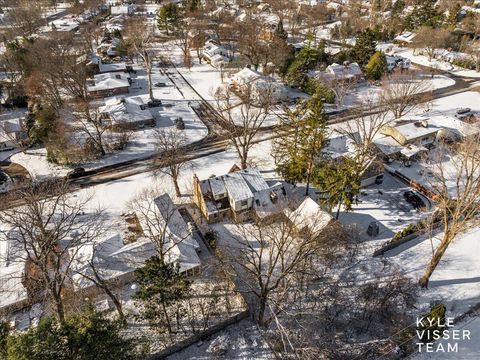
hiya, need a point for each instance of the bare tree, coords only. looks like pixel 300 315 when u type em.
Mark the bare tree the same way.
pixel 160 221
pixel 362 130
pixel 91 123
pixel 340 85
pixel 456 186
pixel 404 93
pixel 268 260
pixel 170 145
pixel 92 272
pixel 431 39
pixel 138 38
pixel 46 235
pixel 243 116
pixel 26 18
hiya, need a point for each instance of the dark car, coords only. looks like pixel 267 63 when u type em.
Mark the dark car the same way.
pixel 160 84
pixel 75 173
pixel 154 103
pixel 414 200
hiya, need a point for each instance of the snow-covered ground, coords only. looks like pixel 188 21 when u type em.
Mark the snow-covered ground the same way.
pixel 367 93
pixel 241 341
pixel 436 64
pixel 456 280
pixel 143 143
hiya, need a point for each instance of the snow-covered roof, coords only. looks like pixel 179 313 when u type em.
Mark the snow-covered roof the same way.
pixel 126 110
pixel 108 81
pixel 310 215
pixel 411 131
pixel 105 68
pixel 246 76
pixel 344 71
pixel 8 128
pixel 406 37
pixel 237 187
pixel 388 145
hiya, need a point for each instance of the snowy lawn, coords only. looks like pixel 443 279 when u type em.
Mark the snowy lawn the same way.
pixel 456 280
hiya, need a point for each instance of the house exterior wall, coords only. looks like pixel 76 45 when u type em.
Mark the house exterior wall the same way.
pixel 98 94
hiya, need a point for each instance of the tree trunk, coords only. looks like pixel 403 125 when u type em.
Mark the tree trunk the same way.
pixel 177 188
pixel 117 303
pixel 149 73
pixel 338 210
pixel 167 319
pixel 60 311
pixel 437 256
pixel 261 311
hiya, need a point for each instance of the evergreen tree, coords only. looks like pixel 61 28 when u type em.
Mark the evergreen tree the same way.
pixel 376 67
pixel 300 142
pixel 280 32
pixel 425 14
pixel 339 180
pixel 160 285
pixel 168 16
pixel 88 336
pixel 364 48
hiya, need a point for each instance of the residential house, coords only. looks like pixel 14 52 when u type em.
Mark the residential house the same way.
pixel 117 262
pixel 259 85
pixel 109 84
pixel 125 9
pixel 112 68
pixel 129 112
pixel 347 71
pixel 309 217
pixel 240 195
pixel 12 132
pixel 215 54
pixel 405 38
pixel 407 140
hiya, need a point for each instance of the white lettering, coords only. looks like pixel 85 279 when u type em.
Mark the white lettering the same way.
pixel 453 348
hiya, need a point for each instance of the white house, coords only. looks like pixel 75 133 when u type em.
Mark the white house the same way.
pixel 11 133
pixel 111 68
pixel 127 112
pixel 259 85
pixel 351 71
pixel 406 37
pixel 109 84
pixel 215 54
pixel 125 9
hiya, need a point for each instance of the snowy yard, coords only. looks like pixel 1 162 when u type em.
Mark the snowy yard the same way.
pixel 386 205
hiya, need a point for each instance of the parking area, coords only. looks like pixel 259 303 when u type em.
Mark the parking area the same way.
pixel 392 205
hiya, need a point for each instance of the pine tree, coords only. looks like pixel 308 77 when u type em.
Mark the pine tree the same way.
pixel 300 142
pixel 376 67
pixel 160 285
pixel 364 48
pixel 86 336
pixel 339 180
pixel 280 31
pixel 167 16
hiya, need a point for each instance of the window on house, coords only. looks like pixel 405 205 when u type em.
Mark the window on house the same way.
pixel 243 203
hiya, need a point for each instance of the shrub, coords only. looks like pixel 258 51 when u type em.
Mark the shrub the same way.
pixel 179 123
pixel 410 229
pixel 211 239
pixel 376 67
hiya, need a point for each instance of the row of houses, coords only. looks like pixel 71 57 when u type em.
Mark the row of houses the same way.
pixel 114 259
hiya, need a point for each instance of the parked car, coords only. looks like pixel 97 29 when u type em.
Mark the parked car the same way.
pixel 75 173
pixel 154 103
pixel 413 199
